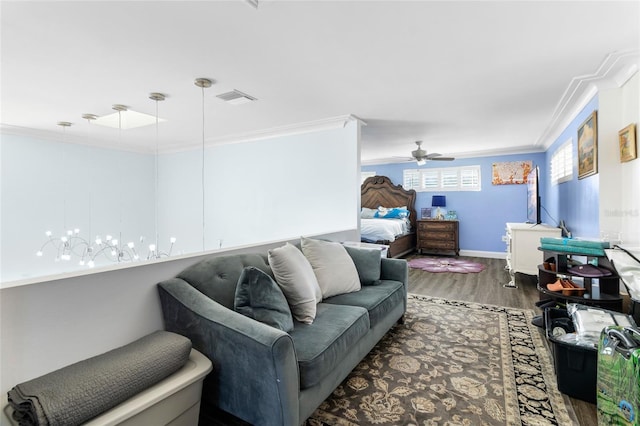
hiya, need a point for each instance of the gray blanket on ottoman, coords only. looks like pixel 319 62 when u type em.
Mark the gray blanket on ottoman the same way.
pixel 76 393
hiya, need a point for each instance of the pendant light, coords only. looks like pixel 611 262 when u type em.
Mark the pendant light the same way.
pixel 70 243
pixel 113 248
pixel 89 252
pixel 154 247
pixel 203 83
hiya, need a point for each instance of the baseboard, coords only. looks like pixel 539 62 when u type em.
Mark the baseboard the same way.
pixel 487 254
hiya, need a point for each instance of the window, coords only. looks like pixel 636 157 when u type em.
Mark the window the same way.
pixel 562 163
pixel 365 175
pixel 443 179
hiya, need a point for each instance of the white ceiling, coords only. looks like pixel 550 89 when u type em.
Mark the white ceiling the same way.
pixel 474 77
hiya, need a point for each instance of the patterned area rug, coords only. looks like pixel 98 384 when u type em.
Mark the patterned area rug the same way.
pixel 452 363
pixel 435 264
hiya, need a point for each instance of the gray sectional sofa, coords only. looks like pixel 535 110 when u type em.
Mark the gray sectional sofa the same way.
pixel 266 376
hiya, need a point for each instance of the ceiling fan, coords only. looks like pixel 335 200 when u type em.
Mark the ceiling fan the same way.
pixel 421 156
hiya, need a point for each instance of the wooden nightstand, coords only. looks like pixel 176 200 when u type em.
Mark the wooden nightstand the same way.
pixel 438 236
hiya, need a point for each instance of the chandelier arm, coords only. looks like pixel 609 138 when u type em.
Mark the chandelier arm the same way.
pixel 101 251
pixel 46 243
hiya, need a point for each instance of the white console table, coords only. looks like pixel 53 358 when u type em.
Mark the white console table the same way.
pixel 523 240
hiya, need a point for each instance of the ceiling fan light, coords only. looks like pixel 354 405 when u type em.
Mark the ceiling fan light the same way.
pixel 421 162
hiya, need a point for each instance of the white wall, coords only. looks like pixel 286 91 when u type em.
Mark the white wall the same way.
pixel 49 185
pixel 261 190
pixel 256 191
pixel 619 182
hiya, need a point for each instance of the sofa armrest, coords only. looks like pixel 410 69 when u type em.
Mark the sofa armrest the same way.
pixel 397 270
pixel 394 269
pixel 255 369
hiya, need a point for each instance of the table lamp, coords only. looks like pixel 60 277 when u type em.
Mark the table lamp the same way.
pixel 439 201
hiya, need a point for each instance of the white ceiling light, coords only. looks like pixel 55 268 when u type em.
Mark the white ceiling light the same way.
pixel 236 97
pixel 127 119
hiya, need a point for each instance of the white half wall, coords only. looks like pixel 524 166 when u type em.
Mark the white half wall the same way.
pixel 48 325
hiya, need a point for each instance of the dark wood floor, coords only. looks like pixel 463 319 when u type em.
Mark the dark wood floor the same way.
pixel 487 287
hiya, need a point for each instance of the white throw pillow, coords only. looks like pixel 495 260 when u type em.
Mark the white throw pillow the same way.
pixel 295 277
pixel 334 268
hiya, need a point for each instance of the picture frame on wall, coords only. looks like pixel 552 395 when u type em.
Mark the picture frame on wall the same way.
pixel 588 146
pixel 627 140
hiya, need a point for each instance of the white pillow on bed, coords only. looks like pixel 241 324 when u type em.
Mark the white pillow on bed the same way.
pixel 367 213
pixel 334 268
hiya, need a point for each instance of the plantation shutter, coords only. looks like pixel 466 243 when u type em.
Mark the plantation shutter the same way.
pixel 411 179
pixel 469 178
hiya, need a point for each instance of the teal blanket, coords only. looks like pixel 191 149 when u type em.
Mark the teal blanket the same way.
pixel 575 242
pixel 586 251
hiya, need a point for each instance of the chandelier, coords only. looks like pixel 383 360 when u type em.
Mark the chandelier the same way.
pixel 66 246
pixel 72 245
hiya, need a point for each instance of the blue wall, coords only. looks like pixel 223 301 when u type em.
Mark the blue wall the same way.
pixel 482 214
pixel 576 201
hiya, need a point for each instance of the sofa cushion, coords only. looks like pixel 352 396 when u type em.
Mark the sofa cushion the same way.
pixel 367 263
pixel 378 299
pixel 332 266
pixel 295 277
pixel 217 276
pixel 259 297
pixel 321 346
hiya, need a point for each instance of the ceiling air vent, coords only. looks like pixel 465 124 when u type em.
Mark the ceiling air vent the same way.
pixel 236 97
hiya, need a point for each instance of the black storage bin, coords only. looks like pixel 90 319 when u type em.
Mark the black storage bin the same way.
pixel 576 366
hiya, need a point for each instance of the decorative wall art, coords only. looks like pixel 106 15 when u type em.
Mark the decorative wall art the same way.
pixel 627 138
pixel 588 147
pixel 512 172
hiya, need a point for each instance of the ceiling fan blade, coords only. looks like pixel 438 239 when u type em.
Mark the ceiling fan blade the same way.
pixel 442 159
pixel 434 154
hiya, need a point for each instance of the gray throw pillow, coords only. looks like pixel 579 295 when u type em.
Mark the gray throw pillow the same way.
pixel 332 266
pixel 367 263
pixel 259 297
pixel 297 281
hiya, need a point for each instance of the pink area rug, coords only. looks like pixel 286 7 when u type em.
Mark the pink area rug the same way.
pixel 438 264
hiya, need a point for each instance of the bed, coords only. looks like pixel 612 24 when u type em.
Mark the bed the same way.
pixel 399 234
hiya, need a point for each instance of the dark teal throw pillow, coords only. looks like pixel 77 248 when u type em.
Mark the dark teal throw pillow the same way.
pixel 367 263
pixel 259 297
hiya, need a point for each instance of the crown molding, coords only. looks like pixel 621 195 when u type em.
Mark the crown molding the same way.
pixel 292 129
pixel 9 129
pixel 76 139
pixel 614 71
pixel 288 130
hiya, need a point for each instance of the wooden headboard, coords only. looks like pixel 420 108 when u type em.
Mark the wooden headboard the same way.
pixel 378 191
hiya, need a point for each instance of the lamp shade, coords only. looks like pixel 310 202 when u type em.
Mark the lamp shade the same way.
pixel 439 201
